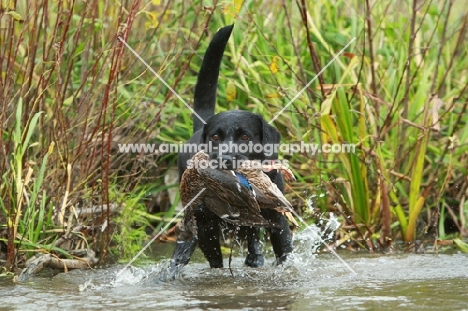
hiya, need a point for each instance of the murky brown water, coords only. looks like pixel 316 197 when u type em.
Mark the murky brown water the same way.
pixel 306 282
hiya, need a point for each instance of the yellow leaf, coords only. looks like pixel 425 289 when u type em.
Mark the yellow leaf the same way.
pixel 238 5
pixel 274 65
pixel 305 166
pixel 68 101
pixel 152 20
pixel 273 95
pixel 51 147
pixel 156 2
pixel 7 5
pixel 16 16
pixel 231 91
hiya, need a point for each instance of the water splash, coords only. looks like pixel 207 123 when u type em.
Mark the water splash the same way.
pixel 302 261
pixel 316 234
pixel 130 275
pixel 312 200
pixel 307 242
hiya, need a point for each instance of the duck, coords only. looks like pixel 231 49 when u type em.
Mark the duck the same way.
pixel 227 193
pixel 267 193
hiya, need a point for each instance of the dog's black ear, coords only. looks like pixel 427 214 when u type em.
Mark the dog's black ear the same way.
pixel 270 136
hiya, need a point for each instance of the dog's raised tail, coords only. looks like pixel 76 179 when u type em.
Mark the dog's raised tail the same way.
pixel 207 81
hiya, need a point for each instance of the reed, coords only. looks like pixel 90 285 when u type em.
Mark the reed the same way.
pixel 70 92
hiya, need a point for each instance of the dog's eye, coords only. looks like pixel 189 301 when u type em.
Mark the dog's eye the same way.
pixel 215 137
pixel 245 137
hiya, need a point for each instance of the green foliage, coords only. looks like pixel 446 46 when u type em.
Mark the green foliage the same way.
pixel 461 245
pixel 71 91
pixel 25 214
pixel 131 222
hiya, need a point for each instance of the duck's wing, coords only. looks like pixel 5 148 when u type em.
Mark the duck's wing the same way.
pixel 235 214
pixel 226 211
pixel 190 185
pixel 263 200
pixel 268 194
pixel 230 199
pixel 227 188
pixel 276 203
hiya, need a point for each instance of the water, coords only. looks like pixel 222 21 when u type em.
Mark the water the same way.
pixel 306 282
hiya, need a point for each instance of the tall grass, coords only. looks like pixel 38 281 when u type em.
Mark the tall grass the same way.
pixel 70 92
pixel 399 95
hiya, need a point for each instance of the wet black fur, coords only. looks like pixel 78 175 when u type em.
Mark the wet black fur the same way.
pixel 229 126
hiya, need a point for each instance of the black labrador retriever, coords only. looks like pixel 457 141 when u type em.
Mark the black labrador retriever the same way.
pixel 230 127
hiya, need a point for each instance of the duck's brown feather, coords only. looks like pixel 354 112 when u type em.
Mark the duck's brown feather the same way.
pixel 224 195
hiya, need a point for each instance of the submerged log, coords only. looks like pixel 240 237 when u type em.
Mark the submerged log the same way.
pixel 86 259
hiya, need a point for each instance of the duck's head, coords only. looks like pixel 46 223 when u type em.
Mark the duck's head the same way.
pixel 201 156
pixel 200 160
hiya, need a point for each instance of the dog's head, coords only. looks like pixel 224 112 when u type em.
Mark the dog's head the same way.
pixel 239 135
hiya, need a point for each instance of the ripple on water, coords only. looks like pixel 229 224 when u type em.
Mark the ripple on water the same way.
pixel 305 281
